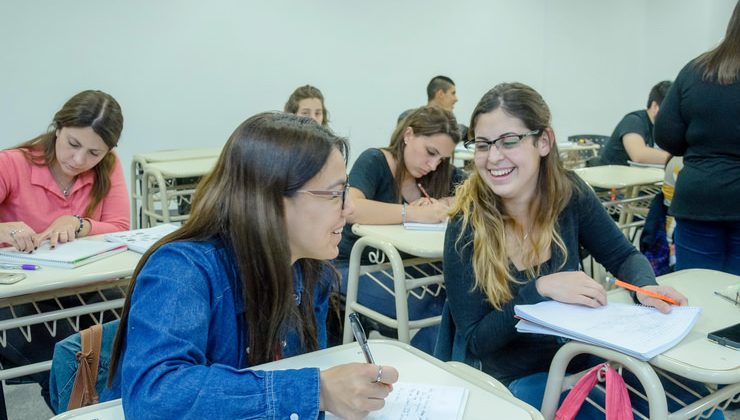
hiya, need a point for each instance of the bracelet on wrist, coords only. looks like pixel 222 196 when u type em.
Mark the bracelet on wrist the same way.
pixel 403 213
pixel 81 226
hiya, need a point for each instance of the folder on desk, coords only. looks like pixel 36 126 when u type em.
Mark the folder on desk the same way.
pixel 67 255
pixel 639 331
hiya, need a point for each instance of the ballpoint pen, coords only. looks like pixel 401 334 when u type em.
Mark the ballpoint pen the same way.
pixel 637 289
pixel 360 336
pixel 6 266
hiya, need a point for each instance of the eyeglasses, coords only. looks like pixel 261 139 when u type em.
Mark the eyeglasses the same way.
pixel 507 141
pixel 329 193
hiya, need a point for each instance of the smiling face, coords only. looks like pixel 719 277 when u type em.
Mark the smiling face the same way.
pixel 311 108
pixel 423 154
pixel 510 173
pixel 78 150
pixel 314 222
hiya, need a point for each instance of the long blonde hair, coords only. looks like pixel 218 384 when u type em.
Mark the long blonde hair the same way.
pixel 482 209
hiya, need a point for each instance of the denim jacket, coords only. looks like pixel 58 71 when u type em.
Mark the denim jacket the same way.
pixel 185 352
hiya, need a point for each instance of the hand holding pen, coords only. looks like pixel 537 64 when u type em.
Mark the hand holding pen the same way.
pixel 353 390
pixel 659 297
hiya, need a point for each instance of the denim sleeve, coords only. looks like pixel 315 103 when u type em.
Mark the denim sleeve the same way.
pixel 484 328
pixel 167 372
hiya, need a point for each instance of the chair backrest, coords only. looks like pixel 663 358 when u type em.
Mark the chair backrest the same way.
pixel 593 138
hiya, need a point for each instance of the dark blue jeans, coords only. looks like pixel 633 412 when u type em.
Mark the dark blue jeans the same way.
pixel 710 245
pixel 372 295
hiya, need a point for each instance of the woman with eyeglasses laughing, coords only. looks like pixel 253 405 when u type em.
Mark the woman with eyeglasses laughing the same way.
pixel 244 282
pixel 513 238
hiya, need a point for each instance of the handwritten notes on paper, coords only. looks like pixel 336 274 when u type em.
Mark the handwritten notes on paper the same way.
pixel 636 330
pixel 421 402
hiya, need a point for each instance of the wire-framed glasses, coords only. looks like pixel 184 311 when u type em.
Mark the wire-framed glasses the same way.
pixel 507 141
pixel 330 194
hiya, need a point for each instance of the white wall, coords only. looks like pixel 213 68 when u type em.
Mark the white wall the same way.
pixel 188 72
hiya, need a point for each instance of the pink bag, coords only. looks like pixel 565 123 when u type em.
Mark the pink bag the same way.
pixel 618 405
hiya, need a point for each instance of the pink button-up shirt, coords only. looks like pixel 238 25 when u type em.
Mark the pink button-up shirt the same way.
pixel 29 193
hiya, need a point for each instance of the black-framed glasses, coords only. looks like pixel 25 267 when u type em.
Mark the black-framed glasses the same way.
pixel 507 141
pixel 329 193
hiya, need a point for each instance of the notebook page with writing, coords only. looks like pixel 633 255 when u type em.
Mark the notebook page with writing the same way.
pixel 410 401
pixel 67 255
pixel 639 331
pixel 140 240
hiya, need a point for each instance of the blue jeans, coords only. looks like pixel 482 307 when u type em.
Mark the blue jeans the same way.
pixel 710 245
pixel 372 295
pixel 531 389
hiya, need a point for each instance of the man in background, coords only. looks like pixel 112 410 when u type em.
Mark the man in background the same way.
pixel 441 93
pixel 632 139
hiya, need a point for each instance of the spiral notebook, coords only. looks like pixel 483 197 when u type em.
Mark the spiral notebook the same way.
pixel 639 331
pixel 67 255
pixel 425 226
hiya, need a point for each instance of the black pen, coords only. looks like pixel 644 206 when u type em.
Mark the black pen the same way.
pixel 360 336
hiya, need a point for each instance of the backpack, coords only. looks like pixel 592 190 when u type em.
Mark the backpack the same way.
pixel 79 367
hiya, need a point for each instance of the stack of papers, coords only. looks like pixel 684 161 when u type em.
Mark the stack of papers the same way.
pixel 141 240
pixel 67 255
pixel 636 330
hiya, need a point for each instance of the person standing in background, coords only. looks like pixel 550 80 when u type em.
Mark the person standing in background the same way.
pixel 699 121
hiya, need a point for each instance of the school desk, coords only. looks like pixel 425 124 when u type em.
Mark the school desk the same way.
pixel 388 240
pixel 487 398
pixel 110 275
pixel 142 159
pixel 695 357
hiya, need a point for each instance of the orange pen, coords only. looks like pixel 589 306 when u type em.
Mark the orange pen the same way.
pixel 634 288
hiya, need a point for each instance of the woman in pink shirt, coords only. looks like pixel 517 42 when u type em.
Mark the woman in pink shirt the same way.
pixel 61 185
pixel 66 183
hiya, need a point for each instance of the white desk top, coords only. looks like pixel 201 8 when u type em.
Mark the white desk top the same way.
pixel 182 168
pixel 696 357
pixel 416 367
pixel 50 278
pixel 413 367
pixel 618 176
pixel 178 154
pixel 427 244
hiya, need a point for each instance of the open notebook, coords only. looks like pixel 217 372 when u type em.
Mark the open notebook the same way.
pixel 67 255
pixel 140 240
pixel 425 226
pixel 421 401
pixel 636 330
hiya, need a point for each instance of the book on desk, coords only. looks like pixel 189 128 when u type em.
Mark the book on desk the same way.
pixel 67 255
pixel 639 331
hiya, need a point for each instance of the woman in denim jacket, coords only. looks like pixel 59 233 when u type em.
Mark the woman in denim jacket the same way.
pixel 243 282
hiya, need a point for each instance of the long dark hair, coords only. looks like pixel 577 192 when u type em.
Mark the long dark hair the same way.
pixel 267 158
pixel 425 121
pixel 723 63
pixel 91 108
